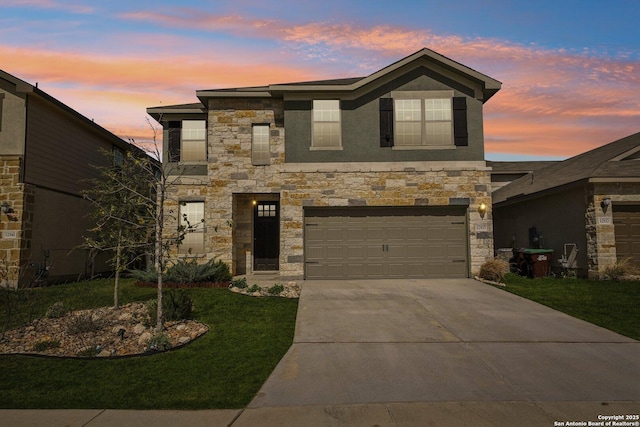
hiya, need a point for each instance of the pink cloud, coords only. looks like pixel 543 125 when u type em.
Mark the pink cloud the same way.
pixel 50 4
pixel 557 101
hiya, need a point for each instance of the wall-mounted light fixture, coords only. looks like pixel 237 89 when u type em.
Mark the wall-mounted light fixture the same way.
pixel 482 209
pixel 605 203
pixel 8 211
pixel 255 202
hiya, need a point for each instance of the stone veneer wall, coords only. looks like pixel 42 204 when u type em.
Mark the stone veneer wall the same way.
pixel 601 237
pixel 16 229
pixel 319 184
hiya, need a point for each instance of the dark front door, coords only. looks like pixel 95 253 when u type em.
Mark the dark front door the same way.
pixel 266 236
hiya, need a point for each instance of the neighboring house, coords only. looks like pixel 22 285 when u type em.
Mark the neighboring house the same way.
pixel 502 173
pixel 373 177
pixel 46 153
pixel 591 200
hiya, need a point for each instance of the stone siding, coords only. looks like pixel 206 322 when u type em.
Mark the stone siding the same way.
pixel 601 237
pixel 16 227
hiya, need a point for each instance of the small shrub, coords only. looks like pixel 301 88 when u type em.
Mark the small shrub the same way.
pixel 191 271
pixel 240 283
pixel 46 344
pixel 255 288
pixel 55 311
pixel 89 352
pixel 493 270
pixel 84 323
pixel 275 289
pixel 176 305
pixel 620 269
pixel 158 342
pixel 149 275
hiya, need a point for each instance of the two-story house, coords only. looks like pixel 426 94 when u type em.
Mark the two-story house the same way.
pixel 380 176
pixel 47 150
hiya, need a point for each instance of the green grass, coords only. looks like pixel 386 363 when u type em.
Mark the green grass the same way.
pixel 610 304
pixel 222 369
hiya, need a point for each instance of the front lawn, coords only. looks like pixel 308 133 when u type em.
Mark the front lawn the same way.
pixel 610 304
pixel 222 369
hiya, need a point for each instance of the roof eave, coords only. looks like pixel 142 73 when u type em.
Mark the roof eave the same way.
pixel 489 85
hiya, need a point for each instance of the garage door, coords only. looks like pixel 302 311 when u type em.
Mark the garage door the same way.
pixel 352 243
pixel 626 220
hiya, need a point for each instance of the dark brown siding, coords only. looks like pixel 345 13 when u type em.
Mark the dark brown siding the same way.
pixel 60 148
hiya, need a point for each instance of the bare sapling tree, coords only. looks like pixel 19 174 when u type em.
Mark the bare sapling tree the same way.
pixel 166 175
pixel 130 198
pixel 123 200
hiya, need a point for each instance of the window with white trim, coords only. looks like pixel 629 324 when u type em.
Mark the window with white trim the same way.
pixel 423 119
pixel 194 141
pixel 192 223
pixel 260 153
pixel 326 124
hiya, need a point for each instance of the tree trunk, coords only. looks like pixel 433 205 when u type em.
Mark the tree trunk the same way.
pixel 116 286
pixel 159 255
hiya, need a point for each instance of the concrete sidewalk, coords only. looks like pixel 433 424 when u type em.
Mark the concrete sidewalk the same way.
pixel 477 414
pixel 419 352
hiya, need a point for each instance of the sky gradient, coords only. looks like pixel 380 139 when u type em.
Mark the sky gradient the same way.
pixel 570 69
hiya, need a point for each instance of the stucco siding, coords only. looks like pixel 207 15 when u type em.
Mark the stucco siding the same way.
pixel 13 120
pixel 360 124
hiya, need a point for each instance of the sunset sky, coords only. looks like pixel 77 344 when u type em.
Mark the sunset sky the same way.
pixel 570 69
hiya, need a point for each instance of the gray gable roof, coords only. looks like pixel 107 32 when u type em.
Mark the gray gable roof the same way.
pixel 619 160
pixel 484 86
pixel 499 167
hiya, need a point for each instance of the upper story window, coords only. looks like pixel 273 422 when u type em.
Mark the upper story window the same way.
pixel 423 119
pixel 260 153
pixel 187 141
pixel 192 221
pixel 194 140
pixel 326 124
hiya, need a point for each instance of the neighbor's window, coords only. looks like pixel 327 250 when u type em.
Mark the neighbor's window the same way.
pixel 260 154
pixel 192 219
pixel 194 141
pixel 424 121
pixel 326 124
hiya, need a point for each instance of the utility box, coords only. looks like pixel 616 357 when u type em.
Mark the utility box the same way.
pixel 533 262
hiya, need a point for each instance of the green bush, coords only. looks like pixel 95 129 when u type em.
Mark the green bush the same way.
pixel 187 271
pixel 56 311
pixel 276 289
pixel 148 275
pixel 240 283
pixel 46 344
pixel 176 305
pixel 255 288
pixel 158 342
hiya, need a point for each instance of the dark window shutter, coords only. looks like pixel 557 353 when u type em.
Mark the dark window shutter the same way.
pixel 460 134
pixel 386 122
pixel 175 133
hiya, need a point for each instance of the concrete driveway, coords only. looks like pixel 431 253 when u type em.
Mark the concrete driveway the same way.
pixel 439 352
